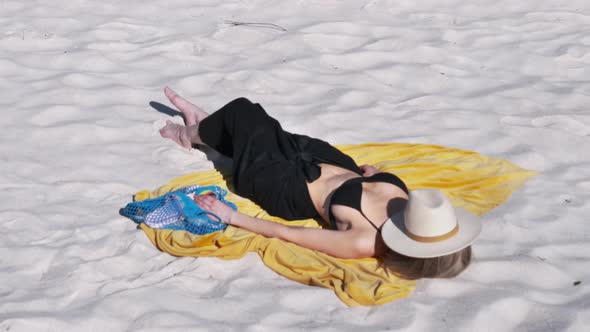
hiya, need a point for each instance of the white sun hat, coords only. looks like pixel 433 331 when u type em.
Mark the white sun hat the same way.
pixel 429 226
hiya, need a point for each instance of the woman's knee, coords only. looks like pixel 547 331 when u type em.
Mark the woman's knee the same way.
pixel 245 110
pixel 241 102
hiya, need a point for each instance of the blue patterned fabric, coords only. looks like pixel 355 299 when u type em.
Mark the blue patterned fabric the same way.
pixel 176 210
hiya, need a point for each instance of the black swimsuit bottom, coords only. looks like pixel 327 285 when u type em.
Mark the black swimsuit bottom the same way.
pixel 351 191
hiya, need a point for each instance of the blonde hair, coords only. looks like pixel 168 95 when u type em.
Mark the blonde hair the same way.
pixel 447 266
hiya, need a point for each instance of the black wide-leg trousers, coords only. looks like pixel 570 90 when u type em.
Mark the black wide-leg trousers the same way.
pixel 271 167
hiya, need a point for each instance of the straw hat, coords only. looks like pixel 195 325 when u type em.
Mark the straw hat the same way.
pixel 429 226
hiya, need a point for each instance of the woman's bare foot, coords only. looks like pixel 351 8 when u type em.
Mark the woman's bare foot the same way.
pixel 182 135
pixel 192 113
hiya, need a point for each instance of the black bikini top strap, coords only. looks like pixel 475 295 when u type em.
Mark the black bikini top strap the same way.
pixel 369 220
pixel 333 219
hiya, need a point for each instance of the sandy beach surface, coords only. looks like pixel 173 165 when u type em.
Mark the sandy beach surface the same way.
pixel 508 79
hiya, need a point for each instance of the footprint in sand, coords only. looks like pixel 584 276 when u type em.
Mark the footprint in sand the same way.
pixel 281 320
pixel 113 46
pixel 86 81
pixel 55 115
pixel 356 99
pixel 341 28
pixel 303 300
pixel 118 31
pixel 578 125
pixel 495 313
pixel 568 123
pixel 328 42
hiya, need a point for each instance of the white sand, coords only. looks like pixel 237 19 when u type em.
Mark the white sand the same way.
pixel 509 79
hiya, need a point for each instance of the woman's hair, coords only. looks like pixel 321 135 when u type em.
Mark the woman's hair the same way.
pixel 446 266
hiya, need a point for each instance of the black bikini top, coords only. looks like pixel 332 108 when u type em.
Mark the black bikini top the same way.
pixel 350 193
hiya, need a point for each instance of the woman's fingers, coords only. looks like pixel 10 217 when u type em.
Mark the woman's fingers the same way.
pixel 212 204
pixel 205 201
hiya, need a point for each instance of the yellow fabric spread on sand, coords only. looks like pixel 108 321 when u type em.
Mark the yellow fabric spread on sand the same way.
pixel 472 181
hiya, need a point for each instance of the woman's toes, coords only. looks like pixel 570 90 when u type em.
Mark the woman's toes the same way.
pixel 166 130
pixel 192 113
pixel 177 133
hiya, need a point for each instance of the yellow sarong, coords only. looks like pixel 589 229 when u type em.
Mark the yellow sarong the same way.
pixel 474 182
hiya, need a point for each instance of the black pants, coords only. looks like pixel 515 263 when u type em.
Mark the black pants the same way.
pixel 270 166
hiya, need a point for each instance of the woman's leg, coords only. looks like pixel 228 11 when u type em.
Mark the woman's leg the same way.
pixel 266 166
pixel 188 135
pixel 231 130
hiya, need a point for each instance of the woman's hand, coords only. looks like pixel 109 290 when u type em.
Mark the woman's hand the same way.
pixel 369 170
pixel 210 203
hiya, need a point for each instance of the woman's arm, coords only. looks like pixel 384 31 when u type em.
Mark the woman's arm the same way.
pixel 341 244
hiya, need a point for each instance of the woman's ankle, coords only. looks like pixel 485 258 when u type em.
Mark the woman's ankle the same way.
pixel 193 134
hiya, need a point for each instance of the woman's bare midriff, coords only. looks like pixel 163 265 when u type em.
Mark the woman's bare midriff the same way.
pixel 331 178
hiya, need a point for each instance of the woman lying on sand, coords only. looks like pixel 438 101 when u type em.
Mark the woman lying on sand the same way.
pixel 369 213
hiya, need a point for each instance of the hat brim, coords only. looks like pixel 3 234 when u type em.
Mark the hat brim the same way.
pixel 394 235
